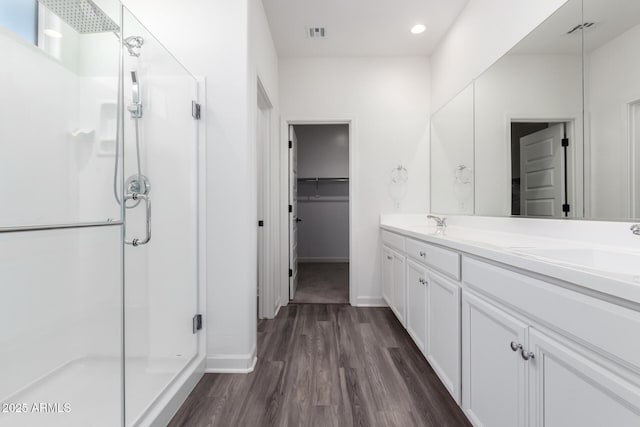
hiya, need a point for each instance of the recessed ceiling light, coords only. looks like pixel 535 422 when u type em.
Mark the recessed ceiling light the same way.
pixel 418 29
pixel 52 33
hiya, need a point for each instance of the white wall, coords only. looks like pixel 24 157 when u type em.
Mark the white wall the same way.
pixel 388 99
pixel 323 152
pixel 484 31
pixel 612 83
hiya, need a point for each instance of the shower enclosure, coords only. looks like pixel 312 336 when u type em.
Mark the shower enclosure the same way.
pixel 99 272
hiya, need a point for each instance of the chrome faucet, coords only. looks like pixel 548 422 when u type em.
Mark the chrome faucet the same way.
pixel 441 223
pixel 635 229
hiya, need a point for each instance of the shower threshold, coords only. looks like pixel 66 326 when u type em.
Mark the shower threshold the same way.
pixel 88 392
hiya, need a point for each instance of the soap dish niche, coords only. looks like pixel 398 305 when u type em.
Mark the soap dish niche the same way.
pixel 108 121
pixel 107 148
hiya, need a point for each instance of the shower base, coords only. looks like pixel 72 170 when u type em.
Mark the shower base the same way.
pixel 87 392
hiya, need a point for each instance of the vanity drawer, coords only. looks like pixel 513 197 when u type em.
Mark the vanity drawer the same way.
pixel 595 323
pixel 443 260
pixel 393 240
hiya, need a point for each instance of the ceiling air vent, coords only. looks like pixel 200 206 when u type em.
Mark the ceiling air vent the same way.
pixel 581 27
pixel 316 32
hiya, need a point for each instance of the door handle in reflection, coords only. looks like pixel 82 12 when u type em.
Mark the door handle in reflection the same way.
pixel 147 202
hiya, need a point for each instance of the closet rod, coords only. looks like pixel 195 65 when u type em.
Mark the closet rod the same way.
pixel 323 179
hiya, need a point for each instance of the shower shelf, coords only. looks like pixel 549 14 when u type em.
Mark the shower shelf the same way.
pixel 83 135
pixel 80 133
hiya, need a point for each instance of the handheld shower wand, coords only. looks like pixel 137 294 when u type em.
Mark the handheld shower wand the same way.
pixel 135 108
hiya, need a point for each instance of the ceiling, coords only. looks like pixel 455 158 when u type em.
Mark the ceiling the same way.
pixel 359 27
pixel 611 18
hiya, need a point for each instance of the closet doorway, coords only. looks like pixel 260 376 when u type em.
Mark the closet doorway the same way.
pixel 319 213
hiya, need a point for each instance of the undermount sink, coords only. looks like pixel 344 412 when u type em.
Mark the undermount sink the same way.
pixel 627 263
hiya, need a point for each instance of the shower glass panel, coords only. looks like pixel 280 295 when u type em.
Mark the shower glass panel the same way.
pixel 59 122
pixel 96 132
pixel 160 276
pixel 61 250
pixel 61 328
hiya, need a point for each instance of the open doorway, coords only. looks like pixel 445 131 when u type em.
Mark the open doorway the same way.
pixel 319 213
pixel 541 169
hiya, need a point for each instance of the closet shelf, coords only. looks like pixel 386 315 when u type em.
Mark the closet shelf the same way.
pixel 323 179
pixel 313 199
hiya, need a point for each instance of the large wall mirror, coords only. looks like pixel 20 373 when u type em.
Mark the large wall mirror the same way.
pixel 452 155
pixel 612 108
pixel 556 130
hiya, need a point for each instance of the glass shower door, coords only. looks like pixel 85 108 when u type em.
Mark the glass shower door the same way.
pixel 161 274
pixel 61 276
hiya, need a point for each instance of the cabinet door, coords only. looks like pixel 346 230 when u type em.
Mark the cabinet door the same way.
pixel 417 303
pixel 399 296
pixel 387 275
pixel 493 375
pixel 567 389
pixel 443 331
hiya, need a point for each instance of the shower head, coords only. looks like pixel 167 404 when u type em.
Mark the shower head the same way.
pixel 133 42
pixel 82 15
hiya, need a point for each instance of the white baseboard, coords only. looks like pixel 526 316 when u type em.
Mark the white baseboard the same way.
pixel 371 302
pixel 277 310
pixel 323 259
pixel 172 398
pixel 232 363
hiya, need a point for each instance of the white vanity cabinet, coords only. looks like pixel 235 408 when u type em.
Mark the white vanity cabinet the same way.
pixel 443 331
pixel 568 388
pixel 494 373
pixel 399 286
pixel 440 313
pixel 417 303
pixel 513 347
pixel 394 274
pixel 517 371
pixel 387 275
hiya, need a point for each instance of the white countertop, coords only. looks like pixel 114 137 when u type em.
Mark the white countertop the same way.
pixel 506 248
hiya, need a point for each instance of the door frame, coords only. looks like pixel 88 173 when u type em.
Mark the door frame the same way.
pixel 264 205
pixel 633 154
pixel 284 184
pixel 575 168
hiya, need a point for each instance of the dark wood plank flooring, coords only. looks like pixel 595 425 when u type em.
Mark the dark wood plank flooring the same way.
pixel 325 283
pixel 326 365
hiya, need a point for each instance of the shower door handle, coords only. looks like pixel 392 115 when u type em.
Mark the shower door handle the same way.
pixel 147 202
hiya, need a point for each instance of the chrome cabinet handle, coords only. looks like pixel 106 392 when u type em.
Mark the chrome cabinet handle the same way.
pixel 515 346
pixel 147 202
pixel 526 355
pixel 423 254
pixel 389 257
pixel 422 281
